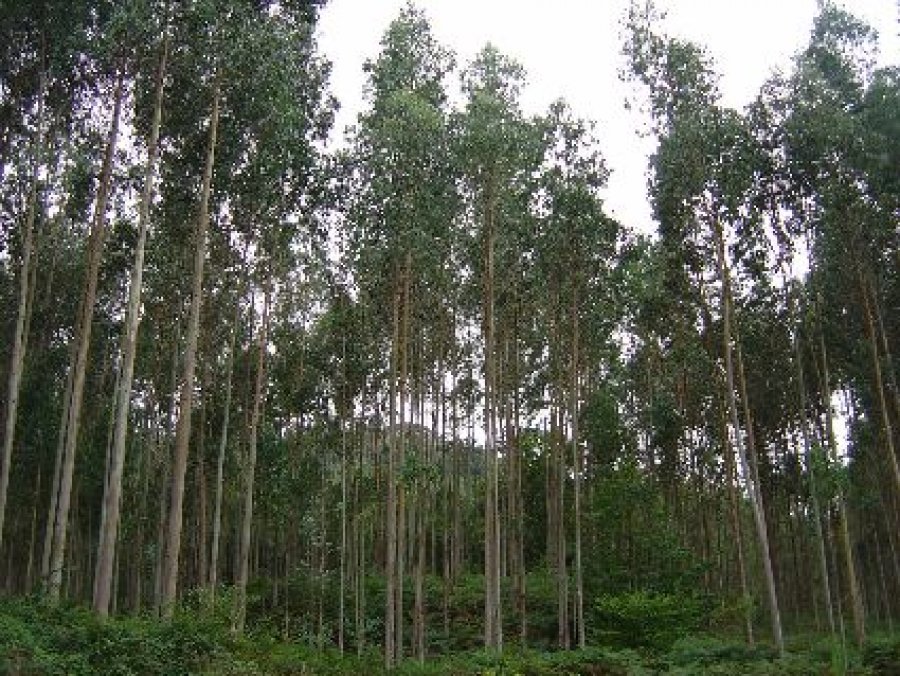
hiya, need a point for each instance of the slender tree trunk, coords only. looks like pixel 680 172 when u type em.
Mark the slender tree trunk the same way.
pixel 95 253
pixel 420 576
pixel 32 540
pixel 202 500
pixel 856 606
pixel 109 526
pixel 323 548
pixel 562 568
pixel 886 348
pixel 577 461
pixel 390 611
pixel 878 386
pixel 250 471
pixel 343 554
pixel 750 479
pixel 731 478
pixel 220 463
pixel 807 451
pixel 25 291
pixel 402 540
pixel 183 430
pixel 360 561
pixel 493 635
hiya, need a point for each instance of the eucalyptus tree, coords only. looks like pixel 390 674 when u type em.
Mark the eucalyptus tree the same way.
pixel 835 157
pixel 25 291
pixel 254 59
pixel 497 156
pixel 575 248
pixel 278 193
pixel 53 58
pixel 400 221
pixel 122 397
pixel 832 130
pixel 114 49
pixel 210 72
pixel 703 175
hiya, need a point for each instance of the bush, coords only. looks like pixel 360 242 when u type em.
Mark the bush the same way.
pixel 645 620
pixel 882 656
pixel 41 639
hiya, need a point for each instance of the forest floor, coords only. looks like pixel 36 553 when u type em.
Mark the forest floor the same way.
pixel 37 639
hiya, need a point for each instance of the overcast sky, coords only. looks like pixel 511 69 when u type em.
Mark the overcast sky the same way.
pixel 571 49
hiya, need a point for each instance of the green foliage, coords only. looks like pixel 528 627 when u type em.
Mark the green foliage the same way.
pixel 37 639
pixel 635 545
pixel 70 640
pixel 882 655
pixel 644 619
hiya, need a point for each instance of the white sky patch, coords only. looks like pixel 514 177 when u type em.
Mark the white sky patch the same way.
pixel 572 49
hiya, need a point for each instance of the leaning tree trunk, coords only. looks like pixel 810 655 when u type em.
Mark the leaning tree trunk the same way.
pixel 752 487
pixel 814 496
pixel 878 386
pixel 25 290
pixel 109 526
pixel 856 606
pixel 183 429
pixel 83 333
pixel 731 480
pixel 258 394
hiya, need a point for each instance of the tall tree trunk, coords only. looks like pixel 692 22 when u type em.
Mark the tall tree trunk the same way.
pixel 492 618
pixel 402 540
pixel 358 527
pixel 183 430
pixel 390 611
pixel 109 526
pixel 878 385
pixel 26 290
pixel 250 472
pixel 220 463
pixel 751 481
pixel 95 253
pixel 885 347
pixel 856 606
pixel 58 458
pixel 562 567
pixel 343 552
pixel 731 479
pixel 807 451
pixel 577 462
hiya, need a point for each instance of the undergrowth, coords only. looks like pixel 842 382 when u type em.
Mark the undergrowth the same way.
pixel 37 638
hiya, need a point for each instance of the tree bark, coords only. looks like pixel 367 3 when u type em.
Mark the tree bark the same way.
pixel 250 472
pixel 220 464
pixel 183 430
pixel 109 526
pixel 95 253
pixel 577 462
pixel 749 478
pixel 26 289
pixel 390 611
pixel 856 606
pixel 493 635
pixel 878 385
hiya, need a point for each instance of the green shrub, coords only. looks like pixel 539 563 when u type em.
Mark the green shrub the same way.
pixel 43 639
pixel 645 620
pixel 882 656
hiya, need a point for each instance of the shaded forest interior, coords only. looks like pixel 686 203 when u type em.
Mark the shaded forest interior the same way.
pixel 419 394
